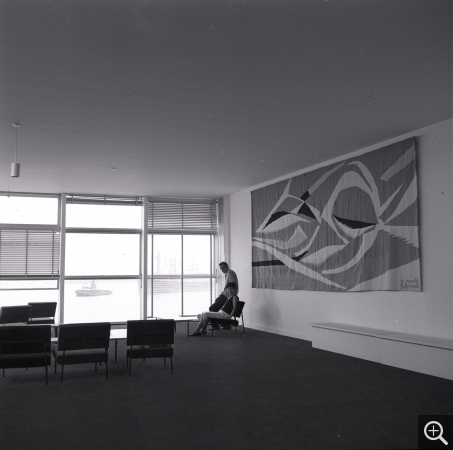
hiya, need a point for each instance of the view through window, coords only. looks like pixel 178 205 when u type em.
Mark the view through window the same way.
pixel 102 267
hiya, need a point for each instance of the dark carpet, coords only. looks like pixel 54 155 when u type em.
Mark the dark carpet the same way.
pixel 260 392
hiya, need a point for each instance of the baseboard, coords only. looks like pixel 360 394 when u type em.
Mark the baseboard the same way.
pixel 287 333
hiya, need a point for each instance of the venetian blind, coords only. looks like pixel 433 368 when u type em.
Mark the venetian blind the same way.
pixel 29 253
pixel 182 215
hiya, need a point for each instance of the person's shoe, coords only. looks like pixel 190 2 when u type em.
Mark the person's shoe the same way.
pixel 195 334
pixel 214 327
pixel 226 327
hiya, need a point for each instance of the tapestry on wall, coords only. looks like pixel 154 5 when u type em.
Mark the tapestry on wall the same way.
pixel 350 226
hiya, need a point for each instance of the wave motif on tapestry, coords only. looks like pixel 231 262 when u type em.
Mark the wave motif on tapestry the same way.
pixel 350 226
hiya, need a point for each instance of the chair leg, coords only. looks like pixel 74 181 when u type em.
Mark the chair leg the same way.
pixel 130 365
pixel 56 365
pixel 171 361
pixel 47 382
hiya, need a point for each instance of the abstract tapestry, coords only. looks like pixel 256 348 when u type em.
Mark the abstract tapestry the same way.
pixel 350 226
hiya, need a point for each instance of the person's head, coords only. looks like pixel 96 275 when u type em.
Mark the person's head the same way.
pixel 231 288
pixel 223 267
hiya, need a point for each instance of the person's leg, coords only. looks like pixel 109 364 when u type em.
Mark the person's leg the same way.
pixel 199 326
pixel 207 315
pixel 216 306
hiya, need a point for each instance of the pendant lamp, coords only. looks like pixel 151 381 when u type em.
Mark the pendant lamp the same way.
pixel 15 166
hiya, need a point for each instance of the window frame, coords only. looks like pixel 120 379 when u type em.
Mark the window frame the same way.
pixel 51 228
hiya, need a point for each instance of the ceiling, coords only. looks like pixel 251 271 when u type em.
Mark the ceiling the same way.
pixel 199 98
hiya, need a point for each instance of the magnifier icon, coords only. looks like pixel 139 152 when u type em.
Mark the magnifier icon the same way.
pixel 434 431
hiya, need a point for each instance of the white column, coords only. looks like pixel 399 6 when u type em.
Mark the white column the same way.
pixel 144 261
pixel 62 253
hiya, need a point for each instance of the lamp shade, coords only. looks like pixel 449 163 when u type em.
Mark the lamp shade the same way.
pixel 15 169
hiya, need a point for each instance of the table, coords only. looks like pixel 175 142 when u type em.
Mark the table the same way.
pixel 181 319
pixel 115 335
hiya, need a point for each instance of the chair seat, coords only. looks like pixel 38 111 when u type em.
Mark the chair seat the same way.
pixel 24 360
pixel 231 322
pixel 150 352
pixel 79 356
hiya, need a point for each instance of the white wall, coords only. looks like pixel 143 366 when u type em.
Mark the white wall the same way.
pixel 429 312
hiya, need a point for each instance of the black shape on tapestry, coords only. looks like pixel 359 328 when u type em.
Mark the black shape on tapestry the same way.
pixel 305 195
pixel 273 262
pixel 275 217
pixel 353 224
pixel 306 211
pixel 298 258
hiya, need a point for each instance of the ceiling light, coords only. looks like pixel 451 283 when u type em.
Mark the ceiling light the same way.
pixel 15 166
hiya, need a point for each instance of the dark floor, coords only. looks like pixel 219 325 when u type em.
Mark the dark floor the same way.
pixel 260 392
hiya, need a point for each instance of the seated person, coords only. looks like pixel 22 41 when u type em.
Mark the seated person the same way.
pixel 226 312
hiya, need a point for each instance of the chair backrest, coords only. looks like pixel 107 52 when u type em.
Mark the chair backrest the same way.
pixel 83 336
pixel 150 332
pixel 239 309
pixel 42 309
pixel 14 314
pixel 24 339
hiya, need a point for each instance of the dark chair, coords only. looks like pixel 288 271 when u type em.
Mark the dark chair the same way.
pixel 231 322
pixel 42 312
pixel 15 314
pixel 24 346
pixel 82 343
pixel 150 339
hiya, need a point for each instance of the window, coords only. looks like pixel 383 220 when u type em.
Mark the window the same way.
pixel 102 263
pixel 102 278
pixel 181 254
pixel 29 248
pixel 32 210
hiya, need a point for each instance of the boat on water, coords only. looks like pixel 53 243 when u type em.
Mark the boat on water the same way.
pixel 92 291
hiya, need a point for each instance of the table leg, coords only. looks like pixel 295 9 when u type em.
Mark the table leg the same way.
pixel 116 348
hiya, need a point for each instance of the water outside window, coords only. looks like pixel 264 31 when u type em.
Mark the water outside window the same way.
pixel 179 289
pixel 101 300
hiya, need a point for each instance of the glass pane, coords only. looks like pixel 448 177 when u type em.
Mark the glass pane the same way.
pixel 166 298
pixel 102 254
pixel 167 254
pixel 27 284
pixel 103 216
pixel 22 297
pixel 197 295
pixel 29 210
pixel 197 251
pixel 101 300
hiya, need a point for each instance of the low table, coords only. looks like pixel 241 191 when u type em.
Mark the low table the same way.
pixel 181 319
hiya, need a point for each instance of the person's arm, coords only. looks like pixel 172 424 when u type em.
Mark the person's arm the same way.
pixel 235 304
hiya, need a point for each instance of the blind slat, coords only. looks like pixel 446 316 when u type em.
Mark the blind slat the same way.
pixel 25 253
pixel 185 216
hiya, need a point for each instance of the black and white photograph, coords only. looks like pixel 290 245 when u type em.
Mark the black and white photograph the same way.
pixel 226 224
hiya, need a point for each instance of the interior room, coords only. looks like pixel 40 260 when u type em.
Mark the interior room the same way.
pixel 134 138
